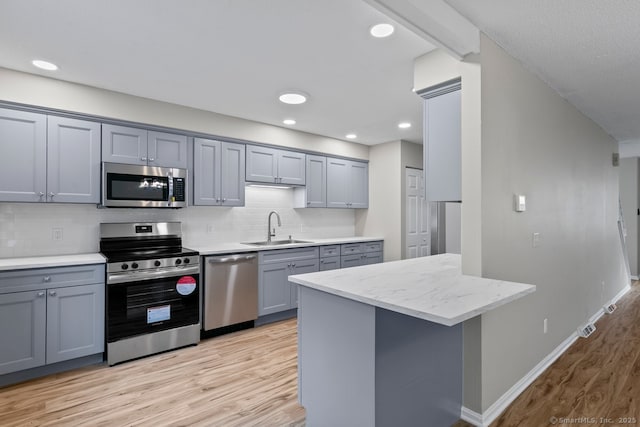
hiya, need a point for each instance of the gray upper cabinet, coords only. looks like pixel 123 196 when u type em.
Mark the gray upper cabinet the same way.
pixel 167 149
pixel 314 194
pixel 273 166
pixel 49 158
pixel 442 142
pixel 73 161
pixel 124 145
pixel 23 163
pixel 347 184
pixel 135 146
pixel 219 171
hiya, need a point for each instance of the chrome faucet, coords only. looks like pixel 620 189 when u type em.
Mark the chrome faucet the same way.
pixel 270 233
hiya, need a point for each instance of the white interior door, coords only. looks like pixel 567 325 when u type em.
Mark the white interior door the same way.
pixel 417 221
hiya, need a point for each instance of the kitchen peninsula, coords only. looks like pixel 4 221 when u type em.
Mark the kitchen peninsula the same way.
pixel 381 345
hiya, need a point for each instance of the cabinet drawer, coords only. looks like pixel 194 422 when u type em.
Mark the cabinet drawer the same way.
pixel 279 255
pixel 327 251
pixel 46 278
pixel 329 263
pixel 351 248
pixel 373 247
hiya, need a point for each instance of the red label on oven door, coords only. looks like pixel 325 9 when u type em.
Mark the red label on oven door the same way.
pixel 186 285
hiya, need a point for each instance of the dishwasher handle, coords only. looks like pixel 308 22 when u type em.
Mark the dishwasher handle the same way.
pixel 230 258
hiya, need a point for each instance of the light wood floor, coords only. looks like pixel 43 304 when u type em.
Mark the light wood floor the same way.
pixel 249 378
pixel 596 379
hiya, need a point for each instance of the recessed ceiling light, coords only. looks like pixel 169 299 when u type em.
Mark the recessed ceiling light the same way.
pixel 404 125
pixel 293 98
pixel 351 136
pixel 381 30
pixel 44 65
pixel 289 122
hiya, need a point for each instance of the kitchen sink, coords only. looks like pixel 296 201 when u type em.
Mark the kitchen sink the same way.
pixel 276 242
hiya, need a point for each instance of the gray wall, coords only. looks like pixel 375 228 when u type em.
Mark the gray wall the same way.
pixel 535 143
pixel 521 137
pixel 629 200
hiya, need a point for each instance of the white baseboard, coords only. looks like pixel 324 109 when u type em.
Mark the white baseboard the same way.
pixel 634 277
pixel 494 411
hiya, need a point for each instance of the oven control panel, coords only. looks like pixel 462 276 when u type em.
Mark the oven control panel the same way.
pixel 154 264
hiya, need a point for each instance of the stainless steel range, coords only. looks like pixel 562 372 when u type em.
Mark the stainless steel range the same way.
pixel 153 289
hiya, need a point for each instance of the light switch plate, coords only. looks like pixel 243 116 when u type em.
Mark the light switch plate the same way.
pixel 520 201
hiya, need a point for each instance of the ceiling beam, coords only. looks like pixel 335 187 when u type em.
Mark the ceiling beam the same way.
pixel 436 22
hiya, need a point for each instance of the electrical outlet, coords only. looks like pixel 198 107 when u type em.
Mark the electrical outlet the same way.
pixel 210 228
pixel 545 325
pixel 56 233
pixel 535 239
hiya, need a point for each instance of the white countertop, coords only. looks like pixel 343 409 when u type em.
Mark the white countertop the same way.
pixel 225 248
pixel 431 288
pixel 50 261
pixel 22 263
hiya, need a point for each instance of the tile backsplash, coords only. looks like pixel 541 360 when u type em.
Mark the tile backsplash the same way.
pixel 33 229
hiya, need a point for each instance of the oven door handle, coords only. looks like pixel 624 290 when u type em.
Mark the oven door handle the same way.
pixel 135 276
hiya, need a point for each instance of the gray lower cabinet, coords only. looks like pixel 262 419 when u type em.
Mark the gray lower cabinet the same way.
pixel 42 321
pixel 275 293
pixel 356 254
pixel 219 173
pixel 347 183
pixel 121 144
pixel 273 166
pixel 23 330
pixel 48 158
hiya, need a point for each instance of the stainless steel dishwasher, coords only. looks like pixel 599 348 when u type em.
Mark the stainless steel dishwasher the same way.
pixel 230 290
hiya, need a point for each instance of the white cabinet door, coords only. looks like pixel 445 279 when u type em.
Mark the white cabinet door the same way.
pixel 75 322
pixel 166 150
pixel 291 168
pixel 262 164
pixel 73 161
pixel 124 145
pixel 207 172
pixel 22 330
pixel 23 163
pixel 233 174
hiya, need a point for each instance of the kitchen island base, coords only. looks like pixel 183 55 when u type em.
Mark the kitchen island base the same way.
pixel 368 366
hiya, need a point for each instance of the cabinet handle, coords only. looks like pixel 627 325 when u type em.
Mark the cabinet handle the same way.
pixel 52 293
pixel 47 279
pixel 51 194
pixel 321 261
pixel 308 203
pixel 144 159
pixel 218 200
pixel 151 159
pixel 41 194
pixel 224 200
pixel 293 265
pixel 40 294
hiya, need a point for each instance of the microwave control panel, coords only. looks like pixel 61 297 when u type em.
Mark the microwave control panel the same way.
pixel 179 192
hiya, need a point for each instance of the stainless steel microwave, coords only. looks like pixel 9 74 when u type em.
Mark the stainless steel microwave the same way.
pixel 137 186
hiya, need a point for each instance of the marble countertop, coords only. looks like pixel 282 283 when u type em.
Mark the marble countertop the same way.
pixel 50 261
pixel 432 288
pixel 225 248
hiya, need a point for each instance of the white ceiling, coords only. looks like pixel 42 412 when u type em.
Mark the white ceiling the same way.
pixel 587 50
pixel 230 56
